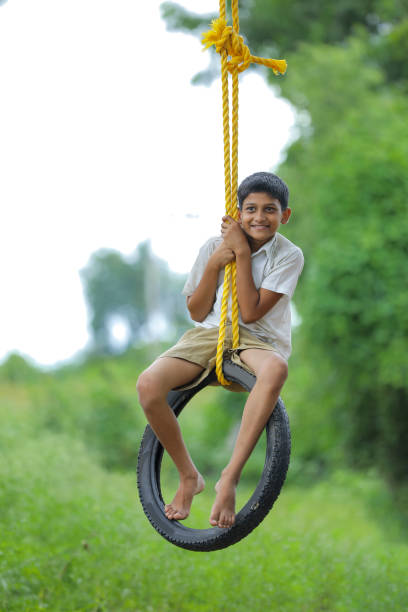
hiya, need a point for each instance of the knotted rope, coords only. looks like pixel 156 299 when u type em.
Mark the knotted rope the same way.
pixel 235 58
pixel 224 37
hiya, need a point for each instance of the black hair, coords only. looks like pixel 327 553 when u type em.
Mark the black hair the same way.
pixel 264 182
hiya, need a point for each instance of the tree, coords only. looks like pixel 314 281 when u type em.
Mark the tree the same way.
pixel 349 181
pixel 141 292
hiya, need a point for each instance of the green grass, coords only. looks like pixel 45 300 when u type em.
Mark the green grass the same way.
pixel 73 537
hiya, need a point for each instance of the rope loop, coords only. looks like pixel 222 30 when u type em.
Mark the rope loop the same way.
pixel 224 38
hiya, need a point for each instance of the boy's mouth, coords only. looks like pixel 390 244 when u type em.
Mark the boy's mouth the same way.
pixel 260 227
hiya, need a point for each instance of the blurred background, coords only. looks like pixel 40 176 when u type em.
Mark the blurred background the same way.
pixel 111 161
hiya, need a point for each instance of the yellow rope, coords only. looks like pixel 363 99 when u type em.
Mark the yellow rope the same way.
pixel 235 58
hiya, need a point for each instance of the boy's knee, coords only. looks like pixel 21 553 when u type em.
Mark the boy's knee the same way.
pixel 142 386
pixel 275 374
pixel 282 371
pixel 148 389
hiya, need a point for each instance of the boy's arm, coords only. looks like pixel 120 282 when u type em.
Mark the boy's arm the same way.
pixel 253 303
pixel 202 300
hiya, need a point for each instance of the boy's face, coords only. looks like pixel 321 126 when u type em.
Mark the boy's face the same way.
pixel 260 217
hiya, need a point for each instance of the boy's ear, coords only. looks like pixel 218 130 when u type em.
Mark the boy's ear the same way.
pixel 286 215
pixel 239 215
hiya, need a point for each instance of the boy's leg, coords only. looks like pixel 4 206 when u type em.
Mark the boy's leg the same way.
pixel 153 386
pixel 271 372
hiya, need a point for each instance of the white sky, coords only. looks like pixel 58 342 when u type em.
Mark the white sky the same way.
pixel 104 143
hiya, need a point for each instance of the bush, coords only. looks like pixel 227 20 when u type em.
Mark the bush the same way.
pixel 349 181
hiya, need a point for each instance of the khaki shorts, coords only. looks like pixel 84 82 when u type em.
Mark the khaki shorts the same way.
pixel 199 345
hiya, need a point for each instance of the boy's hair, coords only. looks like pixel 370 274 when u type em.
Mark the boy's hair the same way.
pixel 264 182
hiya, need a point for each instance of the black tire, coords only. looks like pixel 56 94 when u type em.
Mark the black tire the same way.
pixel 257 507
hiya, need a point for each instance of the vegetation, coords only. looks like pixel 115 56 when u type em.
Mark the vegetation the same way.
pixel 349 182
pixel 73 535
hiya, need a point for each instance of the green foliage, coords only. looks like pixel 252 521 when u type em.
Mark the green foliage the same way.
pixel 351 84
pixel 97 404
pixel 285 25
pixel 348 178
pixel 16 369
pixel 95 401
pixel 133 291
pixel 73 537
pixel 390 52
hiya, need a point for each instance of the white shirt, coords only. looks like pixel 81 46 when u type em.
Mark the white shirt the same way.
pixel 275 266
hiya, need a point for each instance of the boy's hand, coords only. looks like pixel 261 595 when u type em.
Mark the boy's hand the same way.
pixel 222 255
pixel 233 235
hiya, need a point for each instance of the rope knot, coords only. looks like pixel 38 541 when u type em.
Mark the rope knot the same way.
pixel 224 38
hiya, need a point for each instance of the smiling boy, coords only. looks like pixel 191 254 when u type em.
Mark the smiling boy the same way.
pixel 268 267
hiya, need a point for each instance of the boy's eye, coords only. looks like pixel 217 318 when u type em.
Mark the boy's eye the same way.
pixel 268 209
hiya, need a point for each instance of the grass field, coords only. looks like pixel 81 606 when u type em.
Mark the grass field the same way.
pixel 73 538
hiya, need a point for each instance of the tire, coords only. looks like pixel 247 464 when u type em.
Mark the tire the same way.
pixel 278 445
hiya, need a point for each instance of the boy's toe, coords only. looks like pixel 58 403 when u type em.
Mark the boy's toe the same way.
pixel 174 514
pixel 226 520
pixel 169 511
pixel 221 521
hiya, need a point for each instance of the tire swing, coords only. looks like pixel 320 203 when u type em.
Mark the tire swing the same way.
pixel 229 44
pixel 259 504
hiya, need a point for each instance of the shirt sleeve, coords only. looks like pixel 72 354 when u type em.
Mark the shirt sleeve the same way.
pixel 285 274
pixel 198 268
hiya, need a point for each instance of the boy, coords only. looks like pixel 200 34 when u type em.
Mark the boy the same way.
pixel 268 267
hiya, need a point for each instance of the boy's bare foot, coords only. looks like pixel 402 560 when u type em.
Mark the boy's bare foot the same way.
pixel 223 510
pixel 179 508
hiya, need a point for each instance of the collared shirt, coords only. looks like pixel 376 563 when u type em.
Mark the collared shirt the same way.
pixel 276 266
